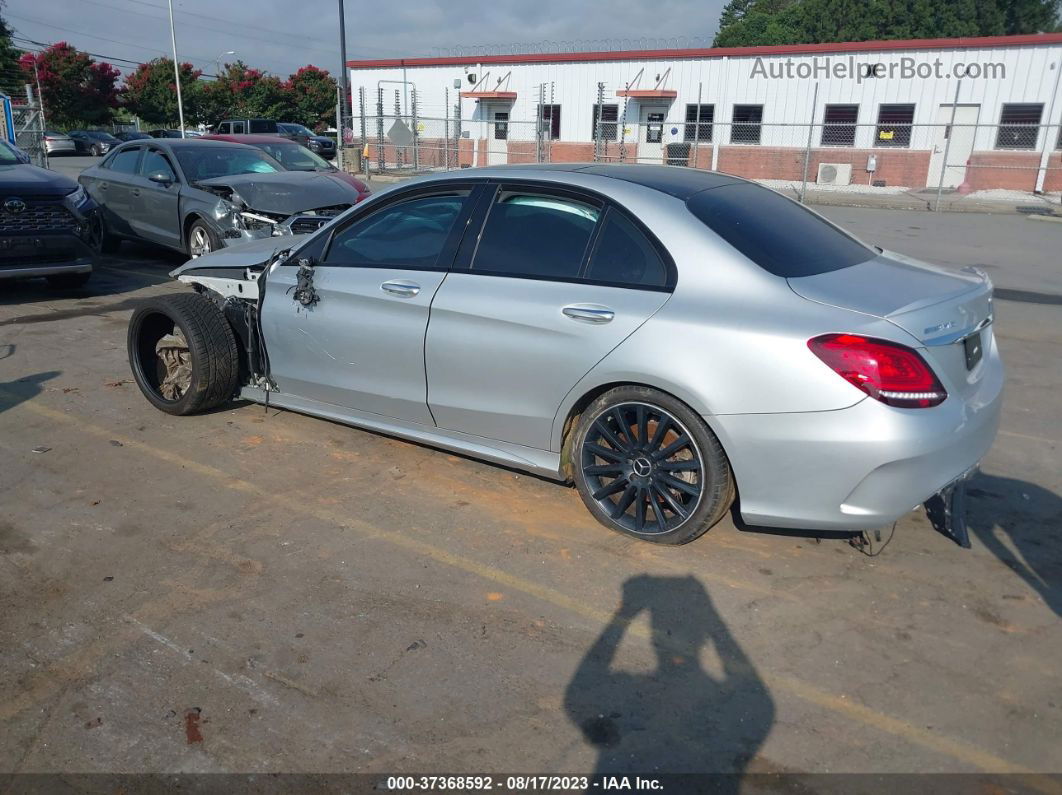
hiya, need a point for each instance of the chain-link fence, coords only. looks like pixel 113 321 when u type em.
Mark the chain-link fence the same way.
pixel 28 130
pixel 957 155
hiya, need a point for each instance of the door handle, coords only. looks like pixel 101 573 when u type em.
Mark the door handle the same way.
pixel 136 191
pixel 589 313
pixel 103 186
pixel 403 288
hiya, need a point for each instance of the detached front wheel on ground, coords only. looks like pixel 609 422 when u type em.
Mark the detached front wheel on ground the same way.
pixel 646 465
pixel 183 353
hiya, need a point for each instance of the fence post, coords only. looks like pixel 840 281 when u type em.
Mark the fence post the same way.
pixel 807 150
pixel 540 128
pixel 947 146
pixel 364 137
pixel 416 132
pixel 446 129
pixel 379 130
pixel 697 127
pixel 457 132
pixel 400 152
pixel 597 120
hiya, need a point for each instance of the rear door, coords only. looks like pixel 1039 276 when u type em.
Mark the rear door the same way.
pixel 553 282
pixel 156 216
pixel 112 184
pixel 361 345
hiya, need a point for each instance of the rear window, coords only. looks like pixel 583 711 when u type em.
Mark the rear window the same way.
pixel 263 126
pixel 776 233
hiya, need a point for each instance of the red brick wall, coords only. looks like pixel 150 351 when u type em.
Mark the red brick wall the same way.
pixel 1012 170
pixel 900 167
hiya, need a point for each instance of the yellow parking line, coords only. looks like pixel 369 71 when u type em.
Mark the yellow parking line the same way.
pixel 931 740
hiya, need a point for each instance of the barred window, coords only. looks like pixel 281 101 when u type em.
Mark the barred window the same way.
pixel 609 116
pixel 747 124
pixel 894 125
pixel 699 129
pixel 839 125
pixel 1019 126
pixel 551 116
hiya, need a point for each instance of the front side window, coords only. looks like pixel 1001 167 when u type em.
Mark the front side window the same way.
pixel 839 125
pixel 410 234
pixel 894 125
pixel 155 162
pixel 699 123
pixel 1019 126
pixel 223 128
pixel 778 234
pixel 536 235
pixel 608 115
pixel 747 124
pixel 124 162
pixel 624 256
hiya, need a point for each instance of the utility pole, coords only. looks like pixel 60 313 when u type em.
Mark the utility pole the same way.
pixel 176 70
pixel 342 73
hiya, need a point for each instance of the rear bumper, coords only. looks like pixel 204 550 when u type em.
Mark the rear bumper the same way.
pixel 860 467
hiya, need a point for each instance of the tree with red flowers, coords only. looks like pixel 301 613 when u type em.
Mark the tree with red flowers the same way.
pixel 313 96
pixel 151 93
pixel 77 90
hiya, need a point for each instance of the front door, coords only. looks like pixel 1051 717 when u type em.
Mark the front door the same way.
pixel 651 145
pixel 510 336
pixel 156 215
pixel 961 133
pixel 497 135
pixel 361 345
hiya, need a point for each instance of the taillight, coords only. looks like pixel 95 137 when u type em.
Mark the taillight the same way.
pixel 887 371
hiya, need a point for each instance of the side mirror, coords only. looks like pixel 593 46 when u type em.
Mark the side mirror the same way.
pixel 161 178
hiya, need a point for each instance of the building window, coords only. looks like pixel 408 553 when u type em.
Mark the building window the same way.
pixel 551 121
pixel 746 127
pixel 894 125
pixel 1019 126
pixel 699 129
pixel 501 125
pixel 839 125
pixel 609 117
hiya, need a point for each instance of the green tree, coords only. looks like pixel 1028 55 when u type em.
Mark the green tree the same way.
pixel 313 97
pixel 150 92
pixel 11 81
pixel 76 90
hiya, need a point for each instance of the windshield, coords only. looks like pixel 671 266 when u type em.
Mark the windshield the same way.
pixel 8 157
pixel 295 157
pixel 206 162
pixel 100 136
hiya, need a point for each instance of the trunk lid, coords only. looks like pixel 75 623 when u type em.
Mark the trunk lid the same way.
pixel 939 307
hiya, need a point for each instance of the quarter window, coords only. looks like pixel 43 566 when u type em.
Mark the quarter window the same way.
pixel 839 125
pixel 894 125
pixel 156 161
pixel 699 123
pixel 410 234
pixel 1019 126
pixel 124 162
pixel 747 122
pixel 536 235
pixel 624 256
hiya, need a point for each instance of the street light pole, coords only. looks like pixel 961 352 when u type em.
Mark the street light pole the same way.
pixel 217 61
pixel 342 73
pixel 176 69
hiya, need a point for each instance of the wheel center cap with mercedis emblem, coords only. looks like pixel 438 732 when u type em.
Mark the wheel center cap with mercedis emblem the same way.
pixel 15 205
pixel 642 467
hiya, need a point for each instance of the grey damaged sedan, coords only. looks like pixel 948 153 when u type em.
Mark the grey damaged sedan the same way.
pixel 671 340
pixel 199 196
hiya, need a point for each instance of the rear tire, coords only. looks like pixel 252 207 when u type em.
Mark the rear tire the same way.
pixel 647 466
pixel 183 353
pixel 68 281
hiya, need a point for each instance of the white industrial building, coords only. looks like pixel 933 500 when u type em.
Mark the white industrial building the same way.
pixel 882 112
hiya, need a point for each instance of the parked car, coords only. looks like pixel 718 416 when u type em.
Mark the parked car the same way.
pixel 174 134
pixel 247 126
pixel 668 338
pixel 197 196
pixel 93 142
pixel 57 143
pixel 15 152
pixel 318 144
pixel 295 157
pixel 131 135
pixel 48 225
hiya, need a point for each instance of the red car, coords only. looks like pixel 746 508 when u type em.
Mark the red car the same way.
pixel 294 157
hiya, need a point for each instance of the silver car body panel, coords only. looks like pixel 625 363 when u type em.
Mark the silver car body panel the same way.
pixel 502 367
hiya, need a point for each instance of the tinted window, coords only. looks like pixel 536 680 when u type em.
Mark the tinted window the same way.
pixel 623 255
pixel 155 161
pixel 776 233
pixel 535 235
pixel 263 126
pixel 237 127
pixel 409 234
pixel 223 128
pixel 124 162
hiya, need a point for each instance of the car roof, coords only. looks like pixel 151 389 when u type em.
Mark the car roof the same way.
pixel 677 181
pixel 251 139
pixel 184 143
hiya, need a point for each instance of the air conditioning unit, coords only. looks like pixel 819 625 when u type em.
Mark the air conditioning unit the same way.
pixel 835 173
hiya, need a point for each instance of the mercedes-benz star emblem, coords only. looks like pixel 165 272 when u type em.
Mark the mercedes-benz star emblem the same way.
pixel 14 205
pixel 642 467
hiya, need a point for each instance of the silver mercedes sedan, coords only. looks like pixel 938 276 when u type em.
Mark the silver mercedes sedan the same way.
pixel 674 341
